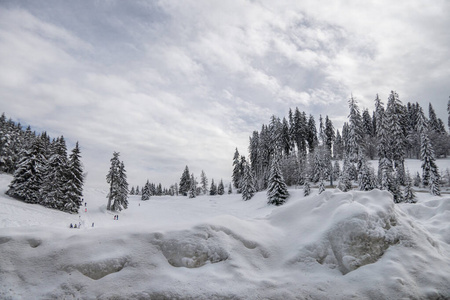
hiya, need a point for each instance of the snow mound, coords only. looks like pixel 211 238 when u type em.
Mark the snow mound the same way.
pixel 192 249
pixel 350 230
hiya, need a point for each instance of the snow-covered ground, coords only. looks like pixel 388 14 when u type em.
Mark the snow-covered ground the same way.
pixel 355 245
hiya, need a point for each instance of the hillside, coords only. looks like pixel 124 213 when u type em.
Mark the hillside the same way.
pixel 330 246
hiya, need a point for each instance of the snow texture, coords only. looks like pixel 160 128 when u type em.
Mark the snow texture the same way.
pixel 334 245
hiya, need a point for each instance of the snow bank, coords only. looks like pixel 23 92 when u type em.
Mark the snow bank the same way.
pixel 330 246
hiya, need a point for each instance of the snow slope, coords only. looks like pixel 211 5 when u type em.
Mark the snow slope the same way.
pixel 331 246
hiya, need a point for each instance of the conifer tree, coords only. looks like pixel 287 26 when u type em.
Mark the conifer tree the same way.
pixel 74 181
pixel 355 137
pixel 220 188
pixel 193 188
pixel 28 177
pixel 213 188
pixel 366 177
pixel 204 182
pixel 132 191
pixel 146 191
pixel 277 192
pixel 118 185
pixel 409 195
pixel 185 182
pixel 417 180
pixel 321 186
pixel 137 192
pixel 394 116
pixel 230 190
pixel 236 177
pixel 306 188
pixel 248 188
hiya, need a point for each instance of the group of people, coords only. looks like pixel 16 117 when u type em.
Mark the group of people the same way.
pixel 116 217
pixel 79 225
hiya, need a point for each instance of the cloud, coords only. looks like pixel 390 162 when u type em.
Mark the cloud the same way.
pixel 171 83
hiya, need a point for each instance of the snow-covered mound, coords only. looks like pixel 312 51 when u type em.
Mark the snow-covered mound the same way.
pixel 335 245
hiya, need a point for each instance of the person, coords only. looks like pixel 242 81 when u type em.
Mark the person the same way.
pixel 114 217
pixel 79 225
pixel 117 218
pixel 75 226
pixel 84 204
pixel 85 210
pixel 92 224
pixel 71 225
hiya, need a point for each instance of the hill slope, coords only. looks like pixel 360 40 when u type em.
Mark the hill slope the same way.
pixel 330 246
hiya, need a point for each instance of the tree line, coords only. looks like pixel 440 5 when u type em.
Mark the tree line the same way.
pixel 43 172
pixel 304 154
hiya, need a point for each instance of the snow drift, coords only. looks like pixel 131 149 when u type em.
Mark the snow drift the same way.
pixel 330 246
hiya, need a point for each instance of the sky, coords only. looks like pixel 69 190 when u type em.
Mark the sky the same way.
pixel 175 83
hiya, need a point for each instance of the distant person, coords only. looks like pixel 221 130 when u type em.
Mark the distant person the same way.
pixel 75 226
pixel 79 225
pixel 71 225
pixel 114 217
pixel 117 218
pixel 92 224
pixel 85 210
pixel 84 204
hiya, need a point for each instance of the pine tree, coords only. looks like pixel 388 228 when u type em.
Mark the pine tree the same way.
pixel 434 184
pixel 306 188
pixel 193 188
pixel 146 191
pixel 395 115
pixel 409 195
pixel 220 188
pixel 345 183
pixel 121 201
pixel 417 180
pixel 118 190
pixel 236 177
pixel 248 188
pixel 204 182
pixel 336 170
pixel 213 188
pixel 366 177
pixel 355 136
pixel 185 182
pixel 132 191
pixel 54 187
pixel 329 133
pixel 277 192
pixel 28 176
pixel 321 186
pixel 230 190
pixel 74 181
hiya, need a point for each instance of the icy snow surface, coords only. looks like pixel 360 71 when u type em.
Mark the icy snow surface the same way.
pixel 355 245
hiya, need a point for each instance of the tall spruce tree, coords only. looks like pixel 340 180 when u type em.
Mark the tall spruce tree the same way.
pixel 277 192
pixel 74 181
pixel 220 188
pixel 355 137
pixel 185 182
pixel 409 195
pixel 118 185
pixel 204 182
pixel 213 188
pixel 248 188
pixel 146 191
pixel 193 188
pixel 394 118
pixel 236 177
pixel 28 177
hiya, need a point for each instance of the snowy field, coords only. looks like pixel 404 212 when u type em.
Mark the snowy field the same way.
pixel 355 245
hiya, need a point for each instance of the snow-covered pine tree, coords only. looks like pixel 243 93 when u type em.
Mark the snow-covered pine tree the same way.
pixel 204 182
pixel 54 186
pixel 132 191
pixel 277 192
pixel 321 186
pixel 329 133
pixel 409 194
pixel 248 188
pixel 73 199
pixel 306 188
pixel 213 188
pixel 236 177
pixel 395 190
pixel 336 170
pixel 118 185
pixel 435 188
pixel 355 136
pixel 345 183
pixel 220 188
pixel 185 182
pixel 28 179
pixel 311 134
pixel 230 189
pixel 338 147
pixel 366 177
pixel 193 188
pixel 395 114
pixel 137 192
pixel 146 191
pixel 427 155
pixel 417 180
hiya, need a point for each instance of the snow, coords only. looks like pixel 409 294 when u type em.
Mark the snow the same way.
pixel 330 246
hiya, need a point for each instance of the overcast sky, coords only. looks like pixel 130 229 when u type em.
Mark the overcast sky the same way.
pixel 176 83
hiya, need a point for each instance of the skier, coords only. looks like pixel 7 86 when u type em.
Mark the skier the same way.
pixel 92 224
pixel 85 210
pixel 71 225
pixel 79 225
pixel 75 226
